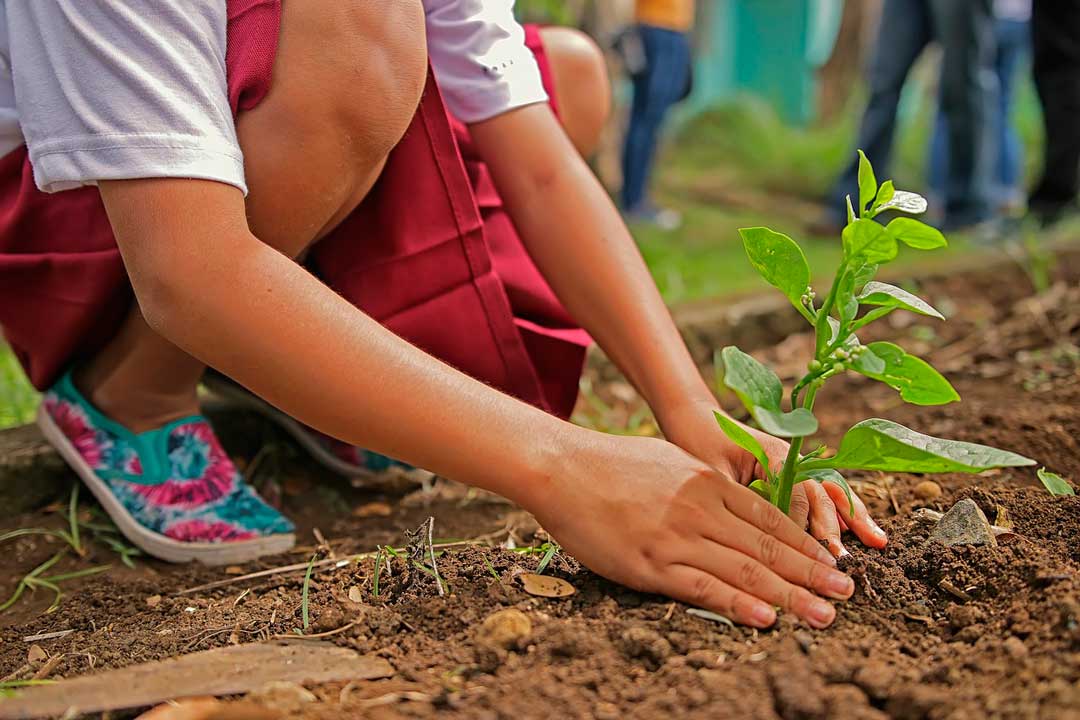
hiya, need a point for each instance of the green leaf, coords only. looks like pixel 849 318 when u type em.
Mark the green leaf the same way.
pixel 755 384
pixel 1054 483
pixel 834 327
pixel 742 438
pixel 847 305
pixel 904 201
pixel 916 380
pixel 877 444
pixel 762 488
pixel 779 260
pixel 850 211
pixel 863 274
pixel 797 423
pixel 868 187
pixel 829 475
pixel 884 195
pixel 885 295
pixel 868 241
pixel 867 363
pixel 916 234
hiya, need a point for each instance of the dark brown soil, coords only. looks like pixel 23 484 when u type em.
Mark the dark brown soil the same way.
pixel 967 632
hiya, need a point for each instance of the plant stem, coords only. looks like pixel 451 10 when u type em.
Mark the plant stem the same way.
pixel 787 474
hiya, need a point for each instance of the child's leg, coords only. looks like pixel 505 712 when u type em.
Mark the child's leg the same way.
pixel 347 79
pixel 581 82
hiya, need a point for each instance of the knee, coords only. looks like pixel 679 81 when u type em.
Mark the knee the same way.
pixel 381 71
pixel 582 86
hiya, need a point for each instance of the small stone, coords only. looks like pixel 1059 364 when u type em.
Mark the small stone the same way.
pixel 506 630
pixel 805 640
pixel 927 490
pixel 153 601
pixel 287 697
pixel 644 643
pixel 964 524
pixel 1015 647
pixel 356 595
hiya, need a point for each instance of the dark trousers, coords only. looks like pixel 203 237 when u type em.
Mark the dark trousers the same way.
pixel 965 30
pixel 1056 48
pixel 659 85
pixel 1013 49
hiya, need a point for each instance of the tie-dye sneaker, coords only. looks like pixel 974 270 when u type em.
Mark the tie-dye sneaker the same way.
pixel 172 491
pixel 352 462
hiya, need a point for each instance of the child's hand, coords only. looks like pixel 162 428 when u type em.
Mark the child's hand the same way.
pixel 823 508
pixel 645 513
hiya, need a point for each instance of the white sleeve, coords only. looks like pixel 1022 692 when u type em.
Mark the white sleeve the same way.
pixel 479 57
pixel 121 89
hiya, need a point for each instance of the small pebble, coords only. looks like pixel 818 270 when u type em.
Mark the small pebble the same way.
pixel 927 490
pixel 506 629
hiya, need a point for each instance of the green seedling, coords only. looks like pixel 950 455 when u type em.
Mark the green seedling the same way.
pixel 853 301
pixel 1054 483
pixel 305 594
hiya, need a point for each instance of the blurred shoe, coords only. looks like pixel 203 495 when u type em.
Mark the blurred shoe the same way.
pixel 663 218
pixel 173 491
pixel 337 456
pixel 1049 215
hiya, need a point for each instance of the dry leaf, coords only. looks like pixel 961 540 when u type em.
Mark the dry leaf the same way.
pixel 355 595
pixel 545 586
pixel 372 509
pixel 36 654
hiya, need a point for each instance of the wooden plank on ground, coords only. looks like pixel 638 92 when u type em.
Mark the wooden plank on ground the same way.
pixel 224 671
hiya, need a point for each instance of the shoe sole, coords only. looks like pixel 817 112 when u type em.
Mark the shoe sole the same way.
pixel 238 397
pixel 150 542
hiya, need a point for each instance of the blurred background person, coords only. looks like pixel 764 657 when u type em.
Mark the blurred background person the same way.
pixel 1012 26
pixel 658 55
pixel 1056 45
pixel 965 30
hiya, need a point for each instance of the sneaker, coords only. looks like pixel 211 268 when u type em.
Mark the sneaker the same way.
pixel 339 457
pixel 173 491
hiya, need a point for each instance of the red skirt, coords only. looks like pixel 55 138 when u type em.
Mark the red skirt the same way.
pixel 431 253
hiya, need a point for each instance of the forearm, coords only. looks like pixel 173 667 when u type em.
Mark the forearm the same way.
pixel 580 244
pixel 263 320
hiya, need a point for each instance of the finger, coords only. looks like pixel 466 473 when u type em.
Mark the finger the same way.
pixel 784 560
pixel 708 592
pixel 823 522
pixel 750 507
pixel 752 577
pixel 799 512
pixel 861 524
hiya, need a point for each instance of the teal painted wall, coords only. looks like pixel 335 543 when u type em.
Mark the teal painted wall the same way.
pixel 765 47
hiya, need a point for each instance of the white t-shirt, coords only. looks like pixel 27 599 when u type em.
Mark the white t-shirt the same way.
pixel 121 89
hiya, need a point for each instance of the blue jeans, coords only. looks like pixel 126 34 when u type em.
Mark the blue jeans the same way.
pixel 1013 47
pixel 662 83
pixel 965 29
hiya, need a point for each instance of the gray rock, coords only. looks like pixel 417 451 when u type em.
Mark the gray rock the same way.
pixel 964 524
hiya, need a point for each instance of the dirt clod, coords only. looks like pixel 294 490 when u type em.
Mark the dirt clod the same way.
pixel 644 644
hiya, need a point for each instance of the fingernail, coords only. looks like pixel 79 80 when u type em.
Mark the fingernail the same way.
pixel 878 532
pixel 821 614
pixel 763 615
pixel 839 585
pixel 844 551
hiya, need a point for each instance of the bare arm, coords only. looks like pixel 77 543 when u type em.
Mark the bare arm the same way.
pixel 215 290
pixel 581 245
pixel 578 240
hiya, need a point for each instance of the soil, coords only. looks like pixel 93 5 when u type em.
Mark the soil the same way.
pixel 932 632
